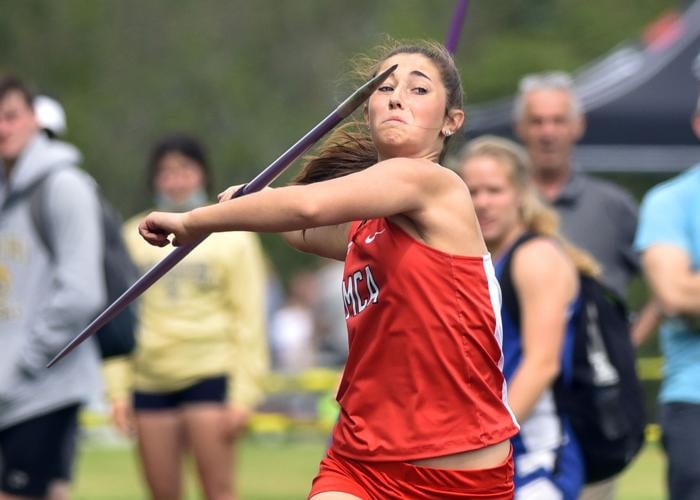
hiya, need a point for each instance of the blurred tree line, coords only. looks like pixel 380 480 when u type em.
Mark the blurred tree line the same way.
pixel 251 77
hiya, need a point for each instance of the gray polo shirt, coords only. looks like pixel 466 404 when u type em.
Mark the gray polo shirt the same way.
pixel 601 217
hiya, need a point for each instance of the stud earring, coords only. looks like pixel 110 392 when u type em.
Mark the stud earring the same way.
pixel 447 133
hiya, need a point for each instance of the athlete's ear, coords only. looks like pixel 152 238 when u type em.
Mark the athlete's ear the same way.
pixel 454 119
pixel 365 113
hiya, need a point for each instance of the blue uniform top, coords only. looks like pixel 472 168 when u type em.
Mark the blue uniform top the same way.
pixel 548 461
pixel 670 214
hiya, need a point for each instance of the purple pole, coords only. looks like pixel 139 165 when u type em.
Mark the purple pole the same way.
pixel 264 178
pixel 456 26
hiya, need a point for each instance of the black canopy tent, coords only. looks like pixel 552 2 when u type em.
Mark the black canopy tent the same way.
pixel 638 102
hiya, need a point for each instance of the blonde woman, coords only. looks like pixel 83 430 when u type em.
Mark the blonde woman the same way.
pixel 522 235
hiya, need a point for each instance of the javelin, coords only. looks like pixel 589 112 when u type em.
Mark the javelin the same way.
pixel 260 181
pixel 456 26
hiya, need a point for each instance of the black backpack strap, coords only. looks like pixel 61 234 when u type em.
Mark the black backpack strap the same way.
pixel 37 209
pixel 36 191
pixel 505 280
pixel 37 212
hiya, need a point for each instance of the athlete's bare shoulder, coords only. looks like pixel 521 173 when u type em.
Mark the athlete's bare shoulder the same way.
pixel 425 172
pixel 444 218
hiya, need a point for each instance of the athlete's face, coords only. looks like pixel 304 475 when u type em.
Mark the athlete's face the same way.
pixel 407 114
pixel 496 200
pixel 549 128
pixel 17 125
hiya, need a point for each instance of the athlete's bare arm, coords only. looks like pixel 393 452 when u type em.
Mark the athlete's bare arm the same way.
pixel 420 191
pixel 326 241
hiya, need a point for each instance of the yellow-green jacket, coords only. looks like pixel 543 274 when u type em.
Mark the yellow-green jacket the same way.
pixel 205 317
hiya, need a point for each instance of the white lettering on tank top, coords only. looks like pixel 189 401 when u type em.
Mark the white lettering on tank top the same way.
pixel 360 289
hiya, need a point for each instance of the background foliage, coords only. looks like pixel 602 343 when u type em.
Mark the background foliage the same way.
pixel 251 77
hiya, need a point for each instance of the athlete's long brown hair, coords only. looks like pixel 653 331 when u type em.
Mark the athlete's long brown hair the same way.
pixel 537 216
pixel 350 148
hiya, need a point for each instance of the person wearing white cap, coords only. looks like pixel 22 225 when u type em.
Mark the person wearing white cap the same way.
pixel 45 298
pixel 50 115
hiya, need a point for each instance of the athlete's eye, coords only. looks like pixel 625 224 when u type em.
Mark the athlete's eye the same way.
pixel 386 88
pixel 420 90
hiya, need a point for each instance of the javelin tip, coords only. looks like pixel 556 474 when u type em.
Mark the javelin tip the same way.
pixel 362 94
pixel 260 181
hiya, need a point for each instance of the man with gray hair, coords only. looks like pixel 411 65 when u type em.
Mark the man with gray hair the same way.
pixel 596 215
pixel 669 239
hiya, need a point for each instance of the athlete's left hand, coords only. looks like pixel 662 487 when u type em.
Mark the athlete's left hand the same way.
pixel 157 228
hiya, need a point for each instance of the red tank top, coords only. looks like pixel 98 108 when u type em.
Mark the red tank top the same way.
pixel 424 372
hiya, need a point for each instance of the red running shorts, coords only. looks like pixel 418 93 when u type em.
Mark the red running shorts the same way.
pixel 402 480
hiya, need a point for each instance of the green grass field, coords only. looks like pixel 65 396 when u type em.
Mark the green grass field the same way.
pixel 282 470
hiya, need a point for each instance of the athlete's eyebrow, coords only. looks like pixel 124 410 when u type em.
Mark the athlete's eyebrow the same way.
pixel 420 73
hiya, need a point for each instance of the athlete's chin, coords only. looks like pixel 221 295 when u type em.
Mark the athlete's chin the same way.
pixel 395 145
pixel 393 136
